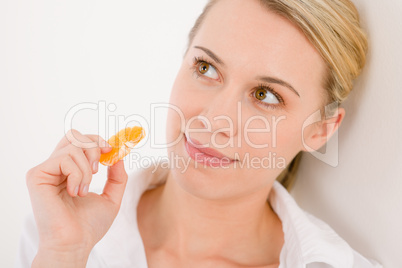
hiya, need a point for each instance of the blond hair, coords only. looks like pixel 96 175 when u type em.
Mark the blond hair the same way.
pixel 333 27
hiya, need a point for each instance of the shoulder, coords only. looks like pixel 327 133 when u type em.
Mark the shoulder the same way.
pixel 309 241
pixel 334 247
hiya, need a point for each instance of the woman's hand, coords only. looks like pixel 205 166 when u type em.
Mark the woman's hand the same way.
pixel 70 220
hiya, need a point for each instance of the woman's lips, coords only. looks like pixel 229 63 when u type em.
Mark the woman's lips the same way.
pixel 207 156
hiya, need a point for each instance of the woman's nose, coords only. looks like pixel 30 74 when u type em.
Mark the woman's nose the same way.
pixel 222 114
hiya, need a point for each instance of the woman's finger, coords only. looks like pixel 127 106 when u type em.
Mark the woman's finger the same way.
pixel 69 168
pixel 76 138
pixel 85 150
pixel 94 154
pixel 81 161
pixel 103 145
pixel 116 183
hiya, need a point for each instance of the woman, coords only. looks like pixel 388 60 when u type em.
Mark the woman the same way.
pixel 252 77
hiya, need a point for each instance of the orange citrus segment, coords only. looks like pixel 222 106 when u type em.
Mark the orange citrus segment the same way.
pixel 121 144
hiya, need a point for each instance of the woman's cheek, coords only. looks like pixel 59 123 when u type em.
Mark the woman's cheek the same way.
pixel 182 108
pixel 257 133
pixel 275 135
pixel 173 130
pixel 286 146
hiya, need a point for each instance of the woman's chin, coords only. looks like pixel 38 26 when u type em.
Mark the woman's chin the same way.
pixel 201 185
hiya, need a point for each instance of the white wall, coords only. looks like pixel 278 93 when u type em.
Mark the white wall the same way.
pixel 57 54
pixel 361 197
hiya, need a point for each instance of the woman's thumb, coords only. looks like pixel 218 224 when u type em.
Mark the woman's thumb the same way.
pixel 116 182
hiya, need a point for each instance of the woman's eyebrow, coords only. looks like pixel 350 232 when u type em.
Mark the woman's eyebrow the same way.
pixel 274 80
pixel 267 79
pixel 211 54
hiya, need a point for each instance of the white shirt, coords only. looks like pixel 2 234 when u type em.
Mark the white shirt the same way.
pixel 309 242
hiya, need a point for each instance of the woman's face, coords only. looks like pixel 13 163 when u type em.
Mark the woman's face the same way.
pixel 247 84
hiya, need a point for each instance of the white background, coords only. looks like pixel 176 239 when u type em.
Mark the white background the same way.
pixel 57 54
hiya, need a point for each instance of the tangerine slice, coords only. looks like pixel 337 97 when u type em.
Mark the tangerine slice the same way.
pixel 121 144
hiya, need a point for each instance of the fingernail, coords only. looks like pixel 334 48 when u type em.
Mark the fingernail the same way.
pixel 76 190
pixel 104 144
pixel 95 167
pixel 85 190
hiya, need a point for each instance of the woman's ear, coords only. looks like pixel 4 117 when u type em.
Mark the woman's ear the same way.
pixel 319 133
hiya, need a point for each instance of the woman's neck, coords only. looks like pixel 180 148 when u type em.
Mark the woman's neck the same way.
pixel 241 228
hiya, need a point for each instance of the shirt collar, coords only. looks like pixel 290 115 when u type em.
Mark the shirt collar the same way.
pixel 307 239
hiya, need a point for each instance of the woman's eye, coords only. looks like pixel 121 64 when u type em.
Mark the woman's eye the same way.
pixel 208 70
pixel 266 96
